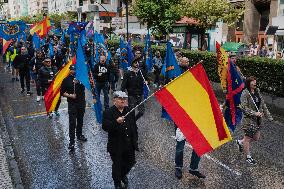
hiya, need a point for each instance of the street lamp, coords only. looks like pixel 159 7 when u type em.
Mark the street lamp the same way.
pixel 110 29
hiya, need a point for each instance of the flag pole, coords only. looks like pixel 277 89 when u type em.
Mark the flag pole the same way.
pixel 133 109
pixel 144 80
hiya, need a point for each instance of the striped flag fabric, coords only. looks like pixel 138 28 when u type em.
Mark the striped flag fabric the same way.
pixel 52 94
pixel 222 59
pixel 6 45
pixel 41 28
pixel 192 105
pixel 233 114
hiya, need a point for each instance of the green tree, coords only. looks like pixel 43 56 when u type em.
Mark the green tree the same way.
pixel 159 15
pixel 208 12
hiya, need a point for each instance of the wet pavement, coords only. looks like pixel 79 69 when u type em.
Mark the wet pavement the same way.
pixel 40 146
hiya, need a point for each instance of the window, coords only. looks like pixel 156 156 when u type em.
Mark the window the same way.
pixel 281 1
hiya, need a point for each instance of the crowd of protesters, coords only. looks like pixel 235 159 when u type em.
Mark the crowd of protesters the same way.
pixel 39 66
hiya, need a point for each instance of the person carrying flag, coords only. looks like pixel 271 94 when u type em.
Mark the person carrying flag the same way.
pixel 254 109
pixel 180 139
pixel 74 91
pixel 21 62
pixel 122 137
pixel 36 64
pixel 101 74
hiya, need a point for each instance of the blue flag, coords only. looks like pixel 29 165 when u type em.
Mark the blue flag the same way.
pixel 130 55
pixel 235 85
pixel 50 47
pixel 83 37
pixel 11 30
pixel 170 69
pixel 148 53
pixel 101 48
pixel 76 27
pixel 63 37
pixel 36 41
pixel 82 73
pixel 123 55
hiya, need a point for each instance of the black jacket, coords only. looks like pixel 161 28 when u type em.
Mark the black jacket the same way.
pixel 69 87
pixel 57 60
pixel 102 69
pixel 133 82
pixel 121 137
pixel 45 74
pixel 37 63
pixel 22 62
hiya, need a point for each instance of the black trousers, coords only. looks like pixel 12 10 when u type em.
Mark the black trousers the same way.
pixel 121 164
pixel 25 75
pixel 76 116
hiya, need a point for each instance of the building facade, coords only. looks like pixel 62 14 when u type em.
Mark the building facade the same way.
pixel 37 6
pixel 62 6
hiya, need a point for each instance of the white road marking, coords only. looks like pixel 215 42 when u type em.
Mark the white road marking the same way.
pixel 215 161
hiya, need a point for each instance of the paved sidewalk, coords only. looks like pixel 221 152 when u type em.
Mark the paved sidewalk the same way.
pixel 5 179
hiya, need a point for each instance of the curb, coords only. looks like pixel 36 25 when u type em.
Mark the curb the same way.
pixel 9 152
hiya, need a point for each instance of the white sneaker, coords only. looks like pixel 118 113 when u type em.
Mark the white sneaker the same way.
pixel 38 98
pixel 121 78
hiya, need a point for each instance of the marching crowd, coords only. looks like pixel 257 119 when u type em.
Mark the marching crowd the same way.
pixel 40 66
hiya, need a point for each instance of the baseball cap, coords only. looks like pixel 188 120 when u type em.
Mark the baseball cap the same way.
pixel 119 94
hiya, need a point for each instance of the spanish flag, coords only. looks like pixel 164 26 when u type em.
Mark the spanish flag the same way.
pixel 41 28
pixel 191 103
pixel 222 59
pixel 6 45
pixel 52 94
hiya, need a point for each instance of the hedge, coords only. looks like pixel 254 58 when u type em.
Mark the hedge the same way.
pixel 269 72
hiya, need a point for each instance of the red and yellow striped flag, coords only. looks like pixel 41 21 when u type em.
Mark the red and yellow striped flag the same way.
pixel 6 45
pixel 41 28
pixel 223 60
pixel 191 103
pixel 52 94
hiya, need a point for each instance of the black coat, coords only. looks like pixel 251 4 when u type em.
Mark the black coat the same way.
pixel 121 137
pixel 46 74
pixel 133 82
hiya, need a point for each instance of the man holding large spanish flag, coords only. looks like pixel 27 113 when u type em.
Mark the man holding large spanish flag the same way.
pixel 191 103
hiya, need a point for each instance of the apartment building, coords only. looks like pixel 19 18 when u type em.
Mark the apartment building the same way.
pixel 62 6
pixel 37 6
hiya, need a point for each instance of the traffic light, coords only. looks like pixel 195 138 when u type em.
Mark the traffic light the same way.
pixel 80 2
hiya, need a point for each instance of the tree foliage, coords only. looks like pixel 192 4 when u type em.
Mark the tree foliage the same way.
pixel 159 15
pixel 208 12
pixel 54 17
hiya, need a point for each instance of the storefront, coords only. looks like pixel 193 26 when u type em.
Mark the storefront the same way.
pixel 186 34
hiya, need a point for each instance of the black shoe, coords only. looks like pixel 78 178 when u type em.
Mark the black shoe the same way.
pixel 117 185
pixel 125 181
pixel 13 79
pixel 29 93
pixel 22 91
pixel 240 146
pixel 82 138
pixel 178 173
pixel 17 79
pixel 197 174
pixel 71 147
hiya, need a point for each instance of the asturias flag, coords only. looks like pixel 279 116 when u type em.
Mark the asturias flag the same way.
pixel 170 68
pixel 52 94
pixel 222 59
pixel 191 103
pixel 148 53
pixel 233 114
